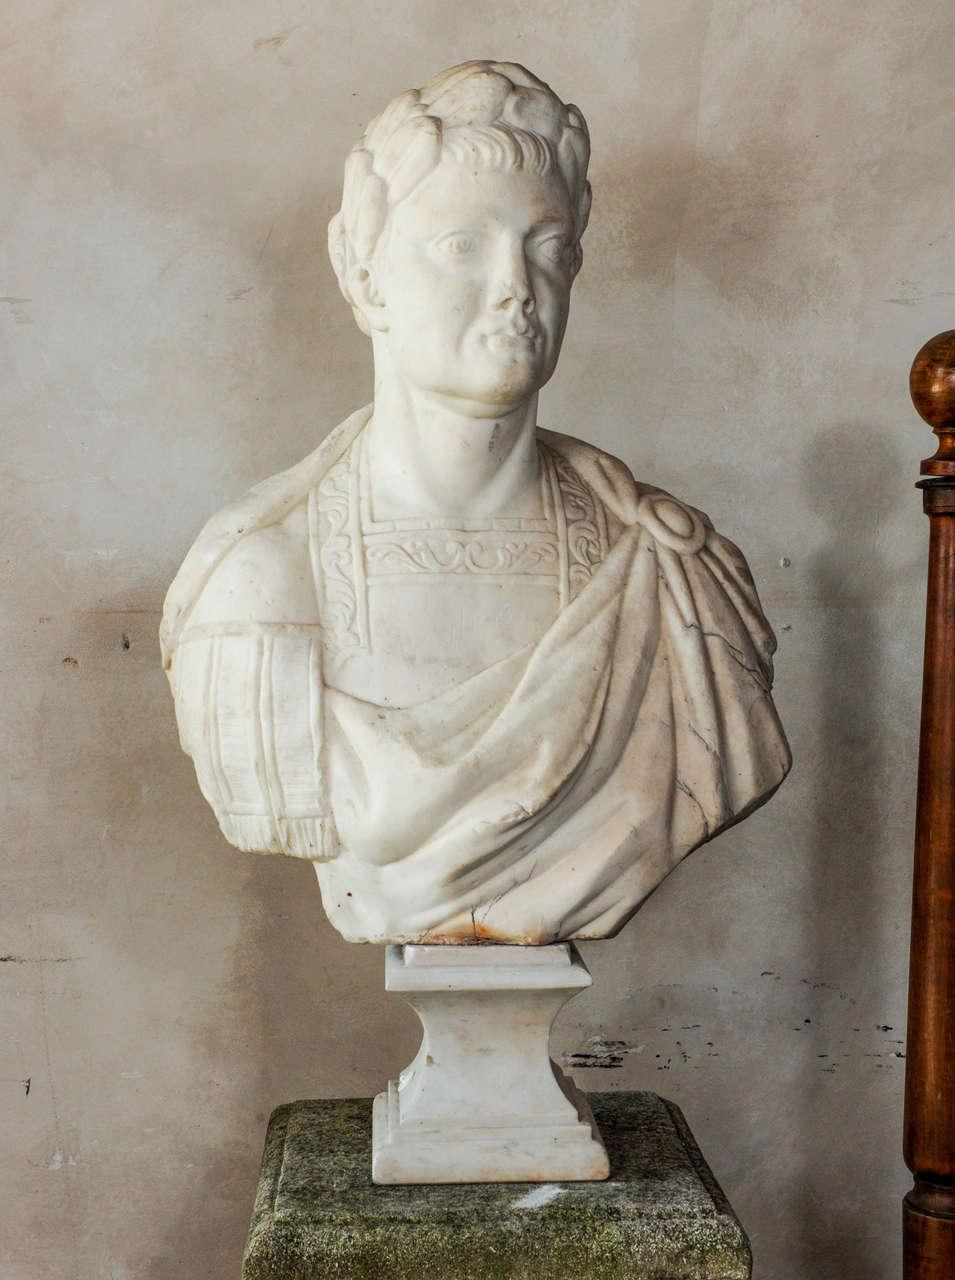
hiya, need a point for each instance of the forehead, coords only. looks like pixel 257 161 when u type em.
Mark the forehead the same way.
pixel 463 191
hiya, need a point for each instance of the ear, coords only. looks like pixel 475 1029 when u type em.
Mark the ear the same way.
pixel 363 290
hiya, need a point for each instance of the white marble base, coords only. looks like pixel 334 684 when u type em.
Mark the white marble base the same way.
pixel 482 1101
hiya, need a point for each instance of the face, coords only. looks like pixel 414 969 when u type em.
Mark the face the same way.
pixel 473 274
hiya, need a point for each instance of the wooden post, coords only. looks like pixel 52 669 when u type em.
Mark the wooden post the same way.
pixel 929 1209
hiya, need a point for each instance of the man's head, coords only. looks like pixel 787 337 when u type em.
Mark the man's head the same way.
pixel 459 233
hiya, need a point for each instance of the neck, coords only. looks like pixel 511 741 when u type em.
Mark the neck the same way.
pixel 432 455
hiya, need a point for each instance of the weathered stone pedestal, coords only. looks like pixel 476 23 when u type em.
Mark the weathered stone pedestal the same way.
pixel 660 1215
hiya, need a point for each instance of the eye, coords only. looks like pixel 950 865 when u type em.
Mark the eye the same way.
pixel 553 248
pixel 457 244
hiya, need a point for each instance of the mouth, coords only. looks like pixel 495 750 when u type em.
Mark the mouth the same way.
pixel 510 340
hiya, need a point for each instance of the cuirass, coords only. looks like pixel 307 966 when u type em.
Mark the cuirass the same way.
pixel 411 607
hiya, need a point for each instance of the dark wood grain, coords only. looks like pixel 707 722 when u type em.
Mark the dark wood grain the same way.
pixel 929 1140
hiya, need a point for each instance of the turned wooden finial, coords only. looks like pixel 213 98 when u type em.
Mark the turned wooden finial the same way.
pixel 932 384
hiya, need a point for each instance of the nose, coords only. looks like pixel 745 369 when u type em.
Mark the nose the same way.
pixel 512 290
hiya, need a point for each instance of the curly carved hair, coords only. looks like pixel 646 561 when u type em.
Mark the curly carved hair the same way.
pixel 496 112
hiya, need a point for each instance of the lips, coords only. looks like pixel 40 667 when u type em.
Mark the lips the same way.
pixel 509 339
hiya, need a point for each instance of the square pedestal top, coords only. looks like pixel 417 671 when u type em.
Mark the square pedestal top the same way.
pixel 660 1216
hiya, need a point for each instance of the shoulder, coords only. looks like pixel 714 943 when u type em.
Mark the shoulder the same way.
pixel 610 478
pixel 671 522
pixel 233 534
pixel 265 577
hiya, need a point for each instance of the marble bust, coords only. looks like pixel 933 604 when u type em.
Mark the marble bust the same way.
pixel 494 688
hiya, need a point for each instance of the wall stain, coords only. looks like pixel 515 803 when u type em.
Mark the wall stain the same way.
pixel 598 1052
pixel 18 309
pixel 831 1044
pixel 276 41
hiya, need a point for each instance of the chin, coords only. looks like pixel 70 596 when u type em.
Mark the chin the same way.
pixel 515 382
pixel 499 399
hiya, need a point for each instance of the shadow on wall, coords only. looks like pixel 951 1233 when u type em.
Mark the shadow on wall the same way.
pixel 844 485
pixel 313 342
pixel 310 1018
pixel 725 215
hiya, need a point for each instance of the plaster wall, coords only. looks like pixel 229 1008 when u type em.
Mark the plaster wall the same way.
pixel 770 244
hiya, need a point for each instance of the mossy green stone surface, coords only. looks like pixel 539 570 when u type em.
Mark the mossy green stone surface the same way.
pixel 660 1216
